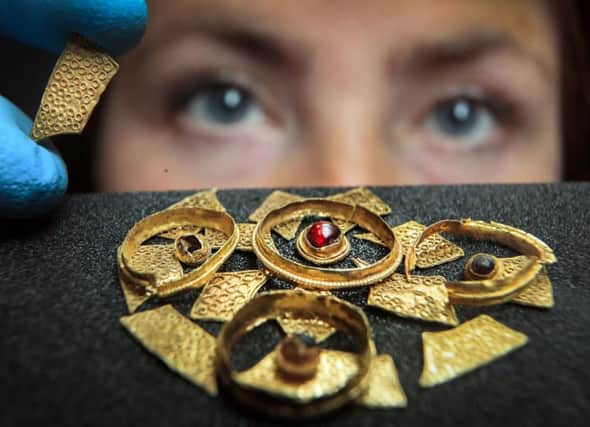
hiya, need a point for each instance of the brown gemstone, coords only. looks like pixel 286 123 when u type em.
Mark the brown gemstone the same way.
pixel 323 233
pixel 189 244
pixel 483 265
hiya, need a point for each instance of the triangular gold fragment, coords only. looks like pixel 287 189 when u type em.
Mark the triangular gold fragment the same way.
pixel 385 390
pixel 450 354
pixel 335 369
pixel 226 293
pixel 182 345
pixel 419 297
pixel 538 293
pixel 158 260
pixel 134 296
pixel 276 200
pixel 363 197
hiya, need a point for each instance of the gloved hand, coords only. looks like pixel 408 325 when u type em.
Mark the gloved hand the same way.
pixel 33 179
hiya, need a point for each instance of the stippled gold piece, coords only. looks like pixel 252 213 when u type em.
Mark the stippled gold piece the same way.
pixel 81 75
pixel 177 232
pixel 539 293
pixel 435 250
pixel 419 297
pixel 363 197
pixel 216 239
pixel 450 354
pixel 203 199
pixel 226 293
pixel 343 225
pixel 134 296
pixel 335 368
pixel 158 260
pixel 182 345
pixel 278 199
pixel 385 390
pixel 311 326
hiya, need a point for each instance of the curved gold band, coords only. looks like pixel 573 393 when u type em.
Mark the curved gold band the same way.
pixel 163 221
pixel 491 291
pixel 342 315
pixel 323 278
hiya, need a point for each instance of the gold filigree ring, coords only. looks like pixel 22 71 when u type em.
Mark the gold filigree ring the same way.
pixel 324 278
pixel 160 222
pixel 342 315
pixel 488 288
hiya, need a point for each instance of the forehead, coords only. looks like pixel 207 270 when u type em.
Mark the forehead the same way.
pixel 367 24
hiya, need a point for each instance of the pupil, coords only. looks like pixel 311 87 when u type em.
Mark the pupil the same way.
pixel 227 104
pixel 457 117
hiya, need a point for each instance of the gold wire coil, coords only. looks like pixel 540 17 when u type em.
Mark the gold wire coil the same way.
pixel 489 291
pixel 341 315
pixel 324 278
pixel 160 222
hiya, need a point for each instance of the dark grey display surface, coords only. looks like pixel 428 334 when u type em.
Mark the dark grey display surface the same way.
pixel 65 359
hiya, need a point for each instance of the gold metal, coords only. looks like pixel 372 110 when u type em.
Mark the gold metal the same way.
pixel 339 380
pixel 216 239
pixel 363 197
pixel 81 75
pixel 276 200
pixel 323 278
pixel 159 261
pixel 538 293
pixel 183 346
pixel 134 296
pixel 385 389
pixel 434 251
pixel 450 354
pixel 203 199
pixel 326 255
pixel 165 220
pixel 491 291
pixel 226 293
pixel 185 251
pixel 419 297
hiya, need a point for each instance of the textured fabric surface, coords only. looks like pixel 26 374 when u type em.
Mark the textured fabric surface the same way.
pixel 65 359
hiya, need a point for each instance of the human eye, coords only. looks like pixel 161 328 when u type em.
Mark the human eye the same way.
pixel 216 105
pixel 466 121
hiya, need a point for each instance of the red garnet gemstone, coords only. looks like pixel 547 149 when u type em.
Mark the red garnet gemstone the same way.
pixel 322 233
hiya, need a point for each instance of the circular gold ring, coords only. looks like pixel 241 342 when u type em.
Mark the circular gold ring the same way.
pixel 324 278
pixel 342 315
pixel 492 290
pixel 160 222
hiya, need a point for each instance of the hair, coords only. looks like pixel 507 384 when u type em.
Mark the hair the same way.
pixel 571 17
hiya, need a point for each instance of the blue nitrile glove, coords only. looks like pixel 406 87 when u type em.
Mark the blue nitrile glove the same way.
pixel 33 179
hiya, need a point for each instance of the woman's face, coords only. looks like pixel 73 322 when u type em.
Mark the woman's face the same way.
pixel 230 93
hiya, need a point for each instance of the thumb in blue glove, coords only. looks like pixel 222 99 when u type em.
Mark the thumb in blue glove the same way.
pixel 33 179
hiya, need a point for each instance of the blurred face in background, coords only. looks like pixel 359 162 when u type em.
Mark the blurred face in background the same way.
pixel 272 93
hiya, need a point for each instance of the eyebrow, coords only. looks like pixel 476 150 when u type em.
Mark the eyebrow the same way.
pixel 258 45
pixel 434 55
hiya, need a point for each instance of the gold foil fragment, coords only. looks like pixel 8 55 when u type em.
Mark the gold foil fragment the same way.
pixel 158 260
pixel 177 232
pixel 203 199
pixel 539 293
pixel 311 326
pixel 450 354
pixel 276 200
pixel 81 75
pixel 420 297
pixel 226 293
pixel 385 390
pixel 435 250
pixel 334 370
pixel 363 197
pixel 134 296
pixel 216 239
pixel 183 346
pixel 343 225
